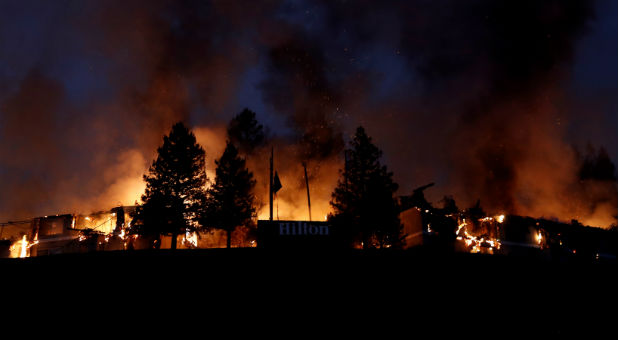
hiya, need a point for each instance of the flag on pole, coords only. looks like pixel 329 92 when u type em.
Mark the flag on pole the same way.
pixel 276 183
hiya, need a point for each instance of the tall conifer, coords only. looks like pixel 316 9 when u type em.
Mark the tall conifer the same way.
pixel 175 187
pixel 230 200
pixel 364 204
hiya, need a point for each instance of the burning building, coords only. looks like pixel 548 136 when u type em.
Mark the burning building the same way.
pixel 452 90
pixel 473 231
pixel 67 233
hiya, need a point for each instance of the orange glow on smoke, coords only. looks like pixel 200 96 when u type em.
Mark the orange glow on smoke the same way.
pixel 291 200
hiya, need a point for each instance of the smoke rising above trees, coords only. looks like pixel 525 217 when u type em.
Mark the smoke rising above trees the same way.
pixel 471 95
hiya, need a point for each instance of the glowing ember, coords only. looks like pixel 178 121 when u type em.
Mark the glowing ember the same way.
pixel 477 244
pixel 500 218
pixel 24 247
pixel 539 237
pixel 191 239
pixel 460 227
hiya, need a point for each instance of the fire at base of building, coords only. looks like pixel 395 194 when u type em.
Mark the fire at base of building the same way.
pixel 449 229
pixel 423 225
pixel 98 231
pixel 507 235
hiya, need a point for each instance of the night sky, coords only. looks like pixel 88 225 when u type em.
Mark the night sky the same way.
pixel 492 100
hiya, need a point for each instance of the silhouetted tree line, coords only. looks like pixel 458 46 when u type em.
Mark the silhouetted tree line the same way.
pixel 177 201
pixel 597 179
pixel 596 165
pixel 365 209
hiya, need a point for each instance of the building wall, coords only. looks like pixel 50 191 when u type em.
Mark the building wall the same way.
pixel 412 227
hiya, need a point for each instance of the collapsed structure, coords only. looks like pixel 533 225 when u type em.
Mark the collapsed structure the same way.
pixel 473 231
pixel 99 231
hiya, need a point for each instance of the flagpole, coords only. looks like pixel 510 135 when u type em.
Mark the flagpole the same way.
pixel 270 188
pixel 307 183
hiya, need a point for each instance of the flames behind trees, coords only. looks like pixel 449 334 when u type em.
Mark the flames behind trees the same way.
pixel 174 200
pixel 364 200
pixel 229 200
pixel 461 93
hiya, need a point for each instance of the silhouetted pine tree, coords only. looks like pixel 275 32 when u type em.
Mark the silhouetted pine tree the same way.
pixel 363 201
pixel 175 187
pixel 597 165
pixel 230 199
pixel 245 132
pixel 449 206
pixel 597 181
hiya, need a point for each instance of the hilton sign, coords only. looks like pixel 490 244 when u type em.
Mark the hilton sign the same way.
pixel 283 234
pixel 302 228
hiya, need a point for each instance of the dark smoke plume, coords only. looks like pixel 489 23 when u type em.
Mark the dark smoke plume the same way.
pixel 469 94
pixel 297 86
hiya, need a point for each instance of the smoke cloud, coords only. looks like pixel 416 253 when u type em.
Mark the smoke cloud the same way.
pixel 470 95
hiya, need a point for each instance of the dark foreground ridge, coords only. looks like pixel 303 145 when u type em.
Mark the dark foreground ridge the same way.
pixel 387 264
pixel 458 290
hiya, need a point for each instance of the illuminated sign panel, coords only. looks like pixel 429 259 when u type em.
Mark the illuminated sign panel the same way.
pixel 288 234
